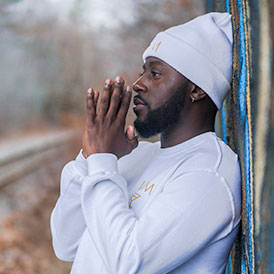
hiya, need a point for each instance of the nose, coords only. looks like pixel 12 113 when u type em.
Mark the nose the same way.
pixel 139 85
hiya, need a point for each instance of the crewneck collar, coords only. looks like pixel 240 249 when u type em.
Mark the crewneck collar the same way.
pixel 188 143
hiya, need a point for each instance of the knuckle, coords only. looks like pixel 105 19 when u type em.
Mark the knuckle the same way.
pixel 118 86
pixel 104 101
pixel 115 98
pixel 119 123
pixel 108 120
pixel 100 119
pixel 125 103
pixel 89 125
pixel 101 122
pixel 89 132
pixel 127 95
pixel 107 87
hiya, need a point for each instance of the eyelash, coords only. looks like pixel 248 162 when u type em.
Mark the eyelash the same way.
pixel 154 73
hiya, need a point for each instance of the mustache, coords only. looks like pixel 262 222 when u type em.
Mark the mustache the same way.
pixel 139 97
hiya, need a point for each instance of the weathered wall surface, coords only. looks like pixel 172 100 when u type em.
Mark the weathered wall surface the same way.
pixel 246 122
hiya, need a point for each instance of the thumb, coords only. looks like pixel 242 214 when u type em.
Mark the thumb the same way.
pixel 132 137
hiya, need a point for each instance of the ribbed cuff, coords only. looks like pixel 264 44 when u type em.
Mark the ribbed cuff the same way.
pixel 81 163
pixel 102 162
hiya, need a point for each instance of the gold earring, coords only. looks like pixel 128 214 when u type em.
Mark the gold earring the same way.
pixel 192 99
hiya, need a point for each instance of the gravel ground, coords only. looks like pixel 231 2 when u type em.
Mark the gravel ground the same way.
pixel 25 239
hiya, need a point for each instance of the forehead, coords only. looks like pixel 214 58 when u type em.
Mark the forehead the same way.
pixel 152 62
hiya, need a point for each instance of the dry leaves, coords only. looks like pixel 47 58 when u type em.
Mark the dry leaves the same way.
pixel 25 239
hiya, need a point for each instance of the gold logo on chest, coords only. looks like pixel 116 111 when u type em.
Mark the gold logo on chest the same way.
pixel 144 188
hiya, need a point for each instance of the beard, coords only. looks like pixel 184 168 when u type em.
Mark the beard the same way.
pixel 157 120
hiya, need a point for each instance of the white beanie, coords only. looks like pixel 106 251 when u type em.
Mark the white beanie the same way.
pixel 201 50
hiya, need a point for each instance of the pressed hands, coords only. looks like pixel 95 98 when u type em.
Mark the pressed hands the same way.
pixel 105 124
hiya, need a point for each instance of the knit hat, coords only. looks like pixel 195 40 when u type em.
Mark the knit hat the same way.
pixel 201 50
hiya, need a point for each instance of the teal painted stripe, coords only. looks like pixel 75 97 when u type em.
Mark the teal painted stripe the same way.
pixel 245 126
pixel 271 253
pixel 209 5
pixel 243 267
pixel 228 268
pixel 227 5
pixel 223 119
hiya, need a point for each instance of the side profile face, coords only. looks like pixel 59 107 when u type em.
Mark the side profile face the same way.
pixel 161 92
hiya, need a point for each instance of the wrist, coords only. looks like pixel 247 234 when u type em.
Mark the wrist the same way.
pixel 84 154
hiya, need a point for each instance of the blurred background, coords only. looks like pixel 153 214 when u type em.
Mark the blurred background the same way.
pixel 50 52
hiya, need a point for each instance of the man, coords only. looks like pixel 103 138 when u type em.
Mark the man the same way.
pixel 168 207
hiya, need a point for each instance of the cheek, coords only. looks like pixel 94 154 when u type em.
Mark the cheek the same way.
pixel 159 96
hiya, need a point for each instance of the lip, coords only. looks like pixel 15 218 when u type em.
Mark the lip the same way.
pixel 138 101
pixel 138 107
pixel 139 104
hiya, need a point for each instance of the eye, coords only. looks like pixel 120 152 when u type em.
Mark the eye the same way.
pixel 155 73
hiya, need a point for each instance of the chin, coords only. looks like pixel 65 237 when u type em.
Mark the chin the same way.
pixel 144 129
pixel 140 118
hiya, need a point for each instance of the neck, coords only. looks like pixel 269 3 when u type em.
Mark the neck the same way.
pixel 186 129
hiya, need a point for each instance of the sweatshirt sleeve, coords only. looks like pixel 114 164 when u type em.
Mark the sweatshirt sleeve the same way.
pixel 177 225
pixel 67 221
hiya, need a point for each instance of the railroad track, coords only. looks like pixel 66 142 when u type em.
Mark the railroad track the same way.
pixel 21 157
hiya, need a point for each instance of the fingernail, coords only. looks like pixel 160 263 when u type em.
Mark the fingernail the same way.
pixel 89 93
pixel 134 132
pixel 118 79
pixel 128 89
pixel 108 82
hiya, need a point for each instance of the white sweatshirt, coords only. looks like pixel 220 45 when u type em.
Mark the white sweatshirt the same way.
pixel 171 210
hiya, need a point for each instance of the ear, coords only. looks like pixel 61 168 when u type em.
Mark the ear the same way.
pixel 197 94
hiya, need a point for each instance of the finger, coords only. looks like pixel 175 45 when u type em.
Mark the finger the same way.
pixel 90 105
pixel 131 133
pixel 132 136
pixel 125 101
pixel 104 101
pixel 95 100
pixel 116 96
pixel 96 96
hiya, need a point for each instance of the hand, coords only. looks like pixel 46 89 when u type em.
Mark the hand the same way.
pixel 104 131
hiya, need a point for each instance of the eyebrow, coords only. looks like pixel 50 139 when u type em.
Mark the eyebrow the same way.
pixel 152 63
